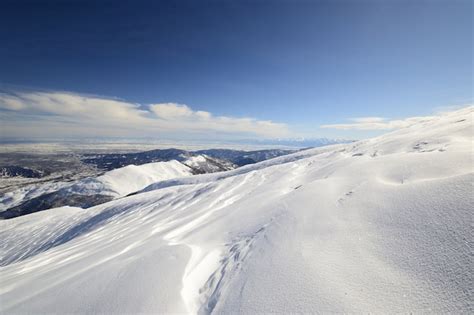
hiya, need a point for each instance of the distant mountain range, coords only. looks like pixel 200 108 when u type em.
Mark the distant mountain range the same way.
pixel 216 159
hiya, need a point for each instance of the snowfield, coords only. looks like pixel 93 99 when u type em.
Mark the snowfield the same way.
pixel 381 226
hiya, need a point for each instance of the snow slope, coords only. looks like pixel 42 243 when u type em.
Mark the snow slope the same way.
pixel 22 194
pixel 382 226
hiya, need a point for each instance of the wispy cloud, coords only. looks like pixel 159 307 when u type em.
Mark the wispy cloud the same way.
pixel 52 114
pixel 376 123
pixel 381 123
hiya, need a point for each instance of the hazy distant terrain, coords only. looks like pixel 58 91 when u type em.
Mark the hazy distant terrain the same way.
pixel 48 167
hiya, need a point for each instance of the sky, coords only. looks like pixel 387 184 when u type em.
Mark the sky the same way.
pixel 229 69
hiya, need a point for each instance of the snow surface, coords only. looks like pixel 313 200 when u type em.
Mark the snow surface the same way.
pixel 382 226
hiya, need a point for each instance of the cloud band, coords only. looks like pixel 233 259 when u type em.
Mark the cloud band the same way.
pixel 44 114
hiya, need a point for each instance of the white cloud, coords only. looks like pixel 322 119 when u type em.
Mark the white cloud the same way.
pixel 380 123
pixel 376 123
pixel 171 111
pixel 11 103
pixel 50 114
pixel 368 119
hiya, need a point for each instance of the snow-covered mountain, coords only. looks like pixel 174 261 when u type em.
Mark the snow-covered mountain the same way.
pixel 96 190
pixel 221 159
pixel 241 158
pixel 202 164
pixel 376 226
pixel 125 180
pixel 113 184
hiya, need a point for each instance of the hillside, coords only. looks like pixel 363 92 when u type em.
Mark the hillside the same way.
pixel 380 226
pixel 91 191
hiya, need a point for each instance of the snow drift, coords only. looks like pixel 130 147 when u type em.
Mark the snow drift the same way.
pixel 382 225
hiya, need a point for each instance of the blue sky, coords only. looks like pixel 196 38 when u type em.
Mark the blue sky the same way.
pixel 301 64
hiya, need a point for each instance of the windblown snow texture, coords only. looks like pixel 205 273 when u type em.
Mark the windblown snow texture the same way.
pixel 377 226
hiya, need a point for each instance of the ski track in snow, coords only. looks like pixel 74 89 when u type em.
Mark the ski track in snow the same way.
pixel 361 227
